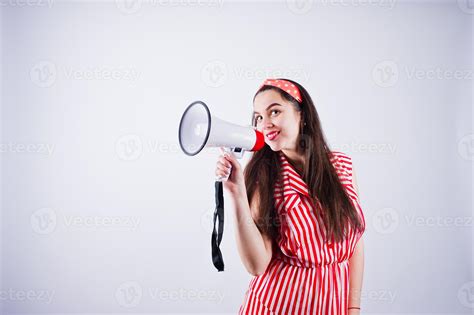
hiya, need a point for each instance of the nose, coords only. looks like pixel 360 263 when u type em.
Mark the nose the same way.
pixel 266 123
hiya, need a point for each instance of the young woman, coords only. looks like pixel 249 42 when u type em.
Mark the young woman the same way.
pixel 299 224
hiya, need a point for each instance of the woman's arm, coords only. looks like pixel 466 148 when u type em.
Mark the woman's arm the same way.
pixel 356 266
pixel 255 248
pixel 356 273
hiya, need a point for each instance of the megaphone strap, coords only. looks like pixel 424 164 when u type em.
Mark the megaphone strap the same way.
pixel 216 238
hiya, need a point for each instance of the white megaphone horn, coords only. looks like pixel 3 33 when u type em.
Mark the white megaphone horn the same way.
pixel 199 129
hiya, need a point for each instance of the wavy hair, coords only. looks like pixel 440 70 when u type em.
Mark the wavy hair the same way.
pixel 324 186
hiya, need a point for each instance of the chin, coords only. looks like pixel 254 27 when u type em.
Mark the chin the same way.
pixel 275 146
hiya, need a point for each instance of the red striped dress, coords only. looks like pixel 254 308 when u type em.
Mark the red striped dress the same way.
pixel 306 275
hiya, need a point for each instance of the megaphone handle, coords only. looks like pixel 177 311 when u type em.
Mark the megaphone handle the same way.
pixel 238 156
pixel 225 177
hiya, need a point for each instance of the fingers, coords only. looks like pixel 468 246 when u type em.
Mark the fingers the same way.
pixel 228 156
pixel 222 170
pixel 223 167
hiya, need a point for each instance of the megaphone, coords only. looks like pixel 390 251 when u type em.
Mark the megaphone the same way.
pixel 199 129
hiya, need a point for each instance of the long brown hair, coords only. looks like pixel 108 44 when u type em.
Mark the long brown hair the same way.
pixel 324 185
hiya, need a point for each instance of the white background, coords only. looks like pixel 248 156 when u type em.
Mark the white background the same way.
pixel 102 212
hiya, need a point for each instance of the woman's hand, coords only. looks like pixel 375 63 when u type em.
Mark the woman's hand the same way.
pixel 228 163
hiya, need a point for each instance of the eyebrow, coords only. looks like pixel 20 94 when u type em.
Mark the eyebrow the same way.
pixel 268 107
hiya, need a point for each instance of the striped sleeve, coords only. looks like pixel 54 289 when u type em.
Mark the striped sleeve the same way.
pixel 344 167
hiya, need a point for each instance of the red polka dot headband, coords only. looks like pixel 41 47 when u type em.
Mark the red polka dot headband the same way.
pixel 285 86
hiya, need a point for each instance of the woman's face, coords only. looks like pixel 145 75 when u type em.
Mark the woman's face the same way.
pixel 277 119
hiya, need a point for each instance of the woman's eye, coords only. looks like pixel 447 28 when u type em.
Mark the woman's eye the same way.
pixel 258 118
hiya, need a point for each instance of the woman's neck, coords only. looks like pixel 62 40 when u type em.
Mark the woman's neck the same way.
pixel 296 159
